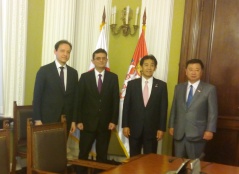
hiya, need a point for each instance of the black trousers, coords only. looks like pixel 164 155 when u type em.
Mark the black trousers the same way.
pixel 87 139
pixel 149 145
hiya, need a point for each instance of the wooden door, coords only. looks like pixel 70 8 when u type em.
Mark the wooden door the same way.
pixel 211 33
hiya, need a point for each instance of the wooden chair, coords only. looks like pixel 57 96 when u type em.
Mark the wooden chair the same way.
pixel 20 116
pixel 4 148
pixel 46 145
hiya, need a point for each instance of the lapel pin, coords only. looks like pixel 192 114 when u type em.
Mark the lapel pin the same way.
pixel 199 90
pixel 156 85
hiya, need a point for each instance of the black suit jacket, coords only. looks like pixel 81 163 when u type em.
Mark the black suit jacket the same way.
pixel 50 98
pixel 140 118
pixel 97 110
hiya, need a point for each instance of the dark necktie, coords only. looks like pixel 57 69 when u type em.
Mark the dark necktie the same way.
pixel 99 83
pixel 62 77
pixel 190 96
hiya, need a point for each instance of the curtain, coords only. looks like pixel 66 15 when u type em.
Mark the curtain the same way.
pixel 79 24
pixel 158 32
pixel 14 28
pixel 88 30
pixel 1 59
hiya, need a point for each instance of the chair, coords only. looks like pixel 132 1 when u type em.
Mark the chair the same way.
pixel 20 115
pixel 46 145
pixel 4 148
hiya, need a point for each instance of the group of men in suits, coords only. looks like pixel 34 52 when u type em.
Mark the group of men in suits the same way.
pixel 92 105
pixel 193 115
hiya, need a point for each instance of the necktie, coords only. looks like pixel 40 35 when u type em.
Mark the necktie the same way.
pixel 146 93
pixel 190 96
pixel 62 77
pixel 99 83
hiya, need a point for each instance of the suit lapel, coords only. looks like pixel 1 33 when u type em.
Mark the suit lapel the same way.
pixel 185 85
pixel 68 79
pixel 140 91
pixel 69 76
pixel 105 82
pixel 155 86
pixel 197 93
pixel 92 81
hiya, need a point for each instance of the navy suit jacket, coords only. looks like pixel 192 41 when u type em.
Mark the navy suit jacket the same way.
pixel 49 96
pixel 96 110
pixel 150 118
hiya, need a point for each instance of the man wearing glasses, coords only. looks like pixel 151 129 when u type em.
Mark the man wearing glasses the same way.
pixel 98 108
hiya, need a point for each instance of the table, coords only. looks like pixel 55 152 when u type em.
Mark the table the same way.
pixel 159 164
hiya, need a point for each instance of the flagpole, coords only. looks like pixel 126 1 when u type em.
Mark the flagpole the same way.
pixel 144 20
pixel 103 19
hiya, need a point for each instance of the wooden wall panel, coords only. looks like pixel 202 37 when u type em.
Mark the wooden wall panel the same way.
pixel 211 33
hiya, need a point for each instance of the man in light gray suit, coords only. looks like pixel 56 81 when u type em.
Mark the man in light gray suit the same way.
pixel 193 116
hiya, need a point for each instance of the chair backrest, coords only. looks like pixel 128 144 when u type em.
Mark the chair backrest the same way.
pixel 21 114
pixel 4 151
pixel 46 145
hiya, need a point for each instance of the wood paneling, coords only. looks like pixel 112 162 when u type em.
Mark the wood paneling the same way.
pixel 211 33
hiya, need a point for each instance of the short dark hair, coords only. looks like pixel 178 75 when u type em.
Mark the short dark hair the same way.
pixel 148 57
pixel 62 42
pixel 100 50
pixel 193 61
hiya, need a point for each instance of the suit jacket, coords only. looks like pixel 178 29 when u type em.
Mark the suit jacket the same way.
pixel 96 110
pixel 150 118
pixel 200 116
pixel 49 96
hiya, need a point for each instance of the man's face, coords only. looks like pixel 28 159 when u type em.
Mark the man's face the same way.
pixel 100 61
pixel 148 68
pixel 63 53
pixel 194 72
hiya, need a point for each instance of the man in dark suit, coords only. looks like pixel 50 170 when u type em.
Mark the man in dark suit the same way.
pixel 98 107
pixel 145 109
pixel 193 115
pixel 53 95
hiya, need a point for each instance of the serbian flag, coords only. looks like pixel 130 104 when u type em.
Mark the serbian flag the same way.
pixel 133 72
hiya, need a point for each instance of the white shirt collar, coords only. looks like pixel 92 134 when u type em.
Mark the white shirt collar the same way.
pixel 150 80
pixel 97 73
pixel 58 65
pixel 195 85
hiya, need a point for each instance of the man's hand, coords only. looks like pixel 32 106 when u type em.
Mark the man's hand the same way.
pixel 73 127
pixel 208 135
pixel 171 131
pixel 159 135
pixel 38 122
pixel 126 132
pixel 111 126
pixel 80 126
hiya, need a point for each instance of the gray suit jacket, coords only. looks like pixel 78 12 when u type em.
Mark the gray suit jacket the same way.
pixel 200 116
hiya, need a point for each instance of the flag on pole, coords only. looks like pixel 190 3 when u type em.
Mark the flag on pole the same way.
pixel 102 42
pixel 133 73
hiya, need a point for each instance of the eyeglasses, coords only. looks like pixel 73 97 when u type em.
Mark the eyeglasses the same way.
pixel 100 58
